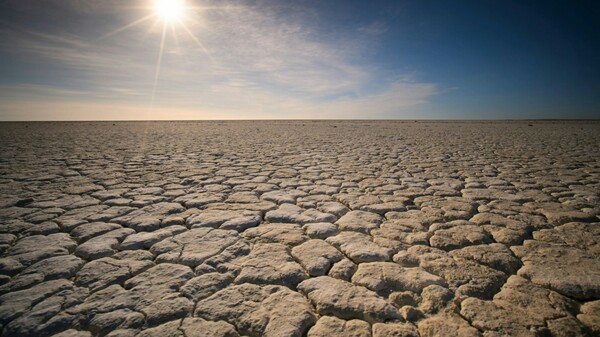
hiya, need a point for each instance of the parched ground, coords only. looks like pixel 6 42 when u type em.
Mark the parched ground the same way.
pixel 300 228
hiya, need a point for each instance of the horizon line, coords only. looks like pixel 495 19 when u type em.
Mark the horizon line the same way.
pixel 312 120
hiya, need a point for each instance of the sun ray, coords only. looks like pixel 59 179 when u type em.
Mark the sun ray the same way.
pixel 127 26
pixel 158 64
pixel 197 41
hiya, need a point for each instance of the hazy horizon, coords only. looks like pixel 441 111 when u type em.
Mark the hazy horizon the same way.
pixel 507 120
pixel 167 60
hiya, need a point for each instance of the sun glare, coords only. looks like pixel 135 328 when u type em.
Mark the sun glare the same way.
pixel 169 10
pixel 173 14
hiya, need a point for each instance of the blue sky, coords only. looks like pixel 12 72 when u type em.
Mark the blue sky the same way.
pixel 276 59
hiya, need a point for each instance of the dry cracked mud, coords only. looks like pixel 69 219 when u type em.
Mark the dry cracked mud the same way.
pixel 300 228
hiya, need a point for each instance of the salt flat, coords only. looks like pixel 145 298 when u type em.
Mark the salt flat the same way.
pixel 300 228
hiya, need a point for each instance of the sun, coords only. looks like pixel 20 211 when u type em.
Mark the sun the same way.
pixel 169 10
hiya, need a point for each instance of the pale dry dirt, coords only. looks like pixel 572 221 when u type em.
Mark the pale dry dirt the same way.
pixel 300 228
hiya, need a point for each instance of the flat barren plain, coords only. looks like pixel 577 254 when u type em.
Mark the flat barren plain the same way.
pixel 300 228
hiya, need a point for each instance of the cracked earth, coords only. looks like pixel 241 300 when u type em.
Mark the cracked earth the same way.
pixel 300 228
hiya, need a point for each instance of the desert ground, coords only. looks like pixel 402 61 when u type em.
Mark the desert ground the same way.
pixel 300 228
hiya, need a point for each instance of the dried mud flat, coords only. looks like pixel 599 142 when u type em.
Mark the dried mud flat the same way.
pixel 300 228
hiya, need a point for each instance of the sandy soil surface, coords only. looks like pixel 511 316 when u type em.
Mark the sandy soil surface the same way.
pixel 300 228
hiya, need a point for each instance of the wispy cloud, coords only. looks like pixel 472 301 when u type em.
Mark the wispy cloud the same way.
pixel 243 61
